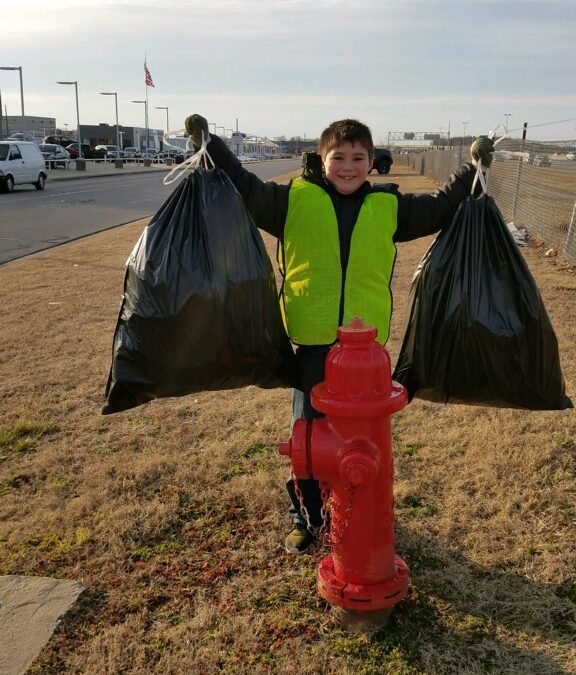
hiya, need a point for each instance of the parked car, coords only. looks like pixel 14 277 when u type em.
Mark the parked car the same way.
pixel 54 155
pixel 176 155
pixel 64 141
pixel 571 155
pixel 149 153
pixel 88 152
pixel 541 160
pixel 112 151
pixel 131 152
pixel 21 163
pixel 18 136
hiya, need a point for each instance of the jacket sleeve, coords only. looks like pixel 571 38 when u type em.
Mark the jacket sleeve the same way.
pixel 267 202
pixel 421 215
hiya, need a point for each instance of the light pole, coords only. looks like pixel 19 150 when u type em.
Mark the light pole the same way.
pixel 231 132
pixel 145 119
pixel 464 125
pixel 507 116
pixel 164 107
pixel 19 69
pixel 78 135
pixel 115 94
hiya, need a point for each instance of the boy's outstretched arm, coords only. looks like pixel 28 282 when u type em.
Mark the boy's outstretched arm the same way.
pixel 421 215
pixel 267 202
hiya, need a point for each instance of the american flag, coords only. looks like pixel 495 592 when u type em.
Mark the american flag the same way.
pixel 147 76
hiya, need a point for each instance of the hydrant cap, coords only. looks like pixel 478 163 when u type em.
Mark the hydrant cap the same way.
pixel 357 331
pixel 358 379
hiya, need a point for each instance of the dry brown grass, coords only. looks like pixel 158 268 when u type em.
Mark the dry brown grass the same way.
pixel 174 513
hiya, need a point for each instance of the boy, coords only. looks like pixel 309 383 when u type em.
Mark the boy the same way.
pixel 337 247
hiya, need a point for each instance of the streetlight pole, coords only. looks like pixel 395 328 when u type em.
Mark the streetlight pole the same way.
pixel 507 116
pixel 19 69
pixel 164 107
pixel 145 118
pixel 464 124
pixel 115 94
pixel 78 135
pixel 231 132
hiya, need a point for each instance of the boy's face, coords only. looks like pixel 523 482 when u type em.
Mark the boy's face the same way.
pixel 346 167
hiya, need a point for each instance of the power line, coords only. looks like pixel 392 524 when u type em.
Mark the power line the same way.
pixel 543 124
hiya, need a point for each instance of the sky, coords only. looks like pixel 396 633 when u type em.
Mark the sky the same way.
pixel 290 67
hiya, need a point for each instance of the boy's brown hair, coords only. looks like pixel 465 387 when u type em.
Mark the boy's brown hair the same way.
pixel 345 131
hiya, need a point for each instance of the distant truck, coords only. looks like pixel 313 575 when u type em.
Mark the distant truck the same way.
pixel 382 160
pixel 55 139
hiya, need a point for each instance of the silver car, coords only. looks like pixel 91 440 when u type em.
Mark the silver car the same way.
pixel 112 151
pixel 54 155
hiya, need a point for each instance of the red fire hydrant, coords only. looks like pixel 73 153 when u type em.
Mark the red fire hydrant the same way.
pixel 350 453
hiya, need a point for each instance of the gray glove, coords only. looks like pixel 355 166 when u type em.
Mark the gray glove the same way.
pixel 481 150
pixel 196 126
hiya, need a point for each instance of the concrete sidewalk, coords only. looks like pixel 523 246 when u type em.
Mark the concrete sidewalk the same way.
pixel 96 169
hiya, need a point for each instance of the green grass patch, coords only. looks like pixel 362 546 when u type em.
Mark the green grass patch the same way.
pixel 23 436
pixel 421 559
pixel 413 448
pixel 258 449
pixel 144 553
pixel 414 506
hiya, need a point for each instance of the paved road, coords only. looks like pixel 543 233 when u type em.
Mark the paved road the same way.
pixel 32 220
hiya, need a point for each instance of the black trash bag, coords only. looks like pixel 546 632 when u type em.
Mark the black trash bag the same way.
pixel 478 332
pixel 200 308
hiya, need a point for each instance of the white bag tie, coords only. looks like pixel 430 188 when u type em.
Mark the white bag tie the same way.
pixel 198 159
pixel 480 177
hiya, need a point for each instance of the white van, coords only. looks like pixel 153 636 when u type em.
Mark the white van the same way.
pixel 21 163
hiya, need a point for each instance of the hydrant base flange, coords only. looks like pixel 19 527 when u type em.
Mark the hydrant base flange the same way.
pixel 362 597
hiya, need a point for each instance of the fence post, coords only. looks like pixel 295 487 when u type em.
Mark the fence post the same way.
pixel 570 246
pixel 518 178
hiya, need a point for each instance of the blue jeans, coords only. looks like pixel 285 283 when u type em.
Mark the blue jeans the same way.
pixel 310 362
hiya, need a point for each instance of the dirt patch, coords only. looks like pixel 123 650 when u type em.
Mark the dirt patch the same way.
pixel 173 513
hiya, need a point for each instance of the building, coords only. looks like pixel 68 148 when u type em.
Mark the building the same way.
pixel 105 134
pixel 36 126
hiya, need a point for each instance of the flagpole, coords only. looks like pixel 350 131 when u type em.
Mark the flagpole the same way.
pixel 147 126
pixel 146 110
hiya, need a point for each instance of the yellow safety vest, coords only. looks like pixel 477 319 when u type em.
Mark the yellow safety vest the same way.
pixel 314 282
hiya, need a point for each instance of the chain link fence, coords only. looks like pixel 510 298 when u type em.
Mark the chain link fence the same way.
pixel 534 185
